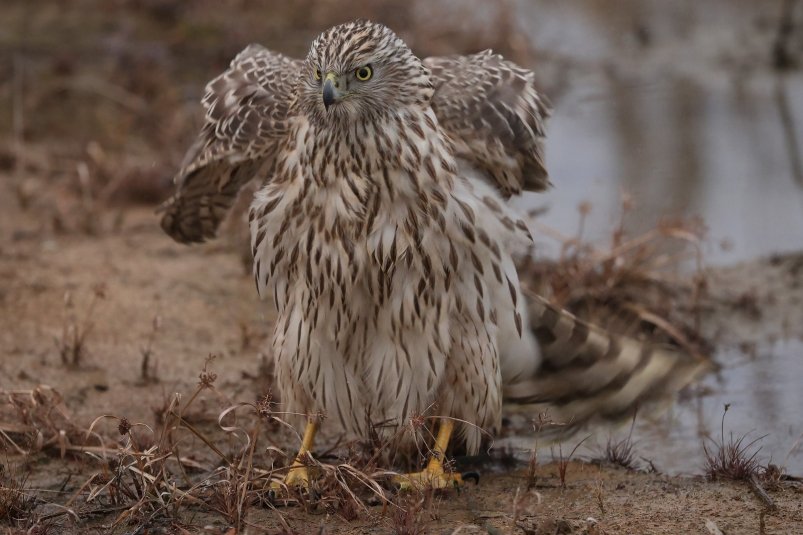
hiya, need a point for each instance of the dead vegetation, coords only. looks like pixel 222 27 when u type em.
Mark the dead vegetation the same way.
pixel 76 328
pixel 410 518
pixel 732 458
pixel 636 286
pixel 151 476
pixel 36 420
pixel 737 460
pixel 621 452
pixel 563 462
pixel 16 501
pixel 148 368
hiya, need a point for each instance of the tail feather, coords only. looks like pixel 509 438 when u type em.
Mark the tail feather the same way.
pixel 589 373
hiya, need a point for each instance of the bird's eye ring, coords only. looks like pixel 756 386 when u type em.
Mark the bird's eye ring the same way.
pixel 317 74
pixel 364 73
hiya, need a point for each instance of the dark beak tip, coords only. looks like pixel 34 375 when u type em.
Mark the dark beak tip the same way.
pixel 328 94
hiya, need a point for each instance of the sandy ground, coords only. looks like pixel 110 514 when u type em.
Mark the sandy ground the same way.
pixel 206 304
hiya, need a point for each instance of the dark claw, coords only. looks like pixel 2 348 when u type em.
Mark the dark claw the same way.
pixel 285 497
pixel 279 497
pixel 475 476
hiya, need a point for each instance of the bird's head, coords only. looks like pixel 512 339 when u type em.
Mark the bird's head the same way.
pixel 361 71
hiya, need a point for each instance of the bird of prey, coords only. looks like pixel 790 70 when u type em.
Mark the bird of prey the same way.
pixel 383 236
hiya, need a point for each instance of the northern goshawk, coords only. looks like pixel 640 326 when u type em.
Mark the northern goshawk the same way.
pixel 383 237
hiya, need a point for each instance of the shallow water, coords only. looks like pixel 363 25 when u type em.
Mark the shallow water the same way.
pixel 677 104
pixel 765 398
pixel 765 403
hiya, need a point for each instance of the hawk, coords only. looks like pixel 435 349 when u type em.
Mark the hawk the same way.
pixel 383 236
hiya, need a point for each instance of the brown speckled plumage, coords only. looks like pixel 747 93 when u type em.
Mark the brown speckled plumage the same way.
pixel 383 237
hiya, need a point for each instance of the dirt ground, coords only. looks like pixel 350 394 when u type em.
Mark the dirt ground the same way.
pixel 207 305
pixel 102 314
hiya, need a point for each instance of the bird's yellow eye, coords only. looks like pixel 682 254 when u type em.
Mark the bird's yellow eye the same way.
pixel 364 73
pixel 317 74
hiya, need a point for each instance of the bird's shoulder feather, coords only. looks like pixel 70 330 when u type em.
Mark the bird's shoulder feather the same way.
pixel 496 117
pixel 247 108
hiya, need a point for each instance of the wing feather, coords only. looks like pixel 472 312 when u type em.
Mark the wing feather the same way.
pixel 247 110
pixel 487 105
pixel 496 117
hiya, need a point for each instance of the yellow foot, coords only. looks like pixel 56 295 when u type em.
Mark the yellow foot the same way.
pixel 429 478
pixel 297 477
pixel 434 476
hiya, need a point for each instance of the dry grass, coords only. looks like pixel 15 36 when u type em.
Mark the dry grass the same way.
pixel 563 462
pixel 531 475
pixel 732 458
pixel 37 420
pixel 150 476
pixel 410 518
pixel 148 367
pixel 154 476
pixel 16 502
pixel 636 286
pixel 72 344
pixel 621 452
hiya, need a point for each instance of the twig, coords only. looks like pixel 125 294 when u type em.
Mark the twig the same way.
pixel 185 424
pixel 789 131
pixel 760 492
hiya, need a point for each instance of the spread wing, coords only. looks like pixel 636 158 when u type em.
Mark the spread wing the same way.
pixel 495 116
pixel 246 115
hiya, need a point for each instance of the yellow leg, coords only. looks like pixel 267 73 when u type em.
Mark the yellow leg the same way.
pixel 434 476
pixel 298 475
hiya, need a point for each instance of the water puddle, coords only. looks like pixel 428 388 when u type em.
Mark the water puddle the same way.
pixel 676 103
pixel 765 400
pixel 678 108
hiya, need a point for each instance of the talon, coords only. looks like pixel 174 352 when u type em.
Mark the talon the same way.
pixel 298 476
pixel 434 476
pixel 472 476
pixel 279 497
pixel 279 492
pixel 273 495
pixel 297 480
pixel 429 478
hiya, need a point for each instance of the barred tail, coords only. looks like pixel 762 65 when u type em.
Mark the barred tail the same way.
pixel 587 372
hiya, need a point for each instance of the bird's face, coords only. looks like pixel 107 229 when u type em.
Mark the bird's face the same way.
pixel 360 71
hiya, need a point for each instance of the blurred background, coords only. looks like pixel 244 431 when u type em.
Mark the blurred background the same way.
pixel 692 108
pixel 678 109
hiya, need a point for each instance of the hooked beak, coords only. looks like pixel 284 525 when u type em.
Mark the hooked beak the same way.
pixel 331 89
